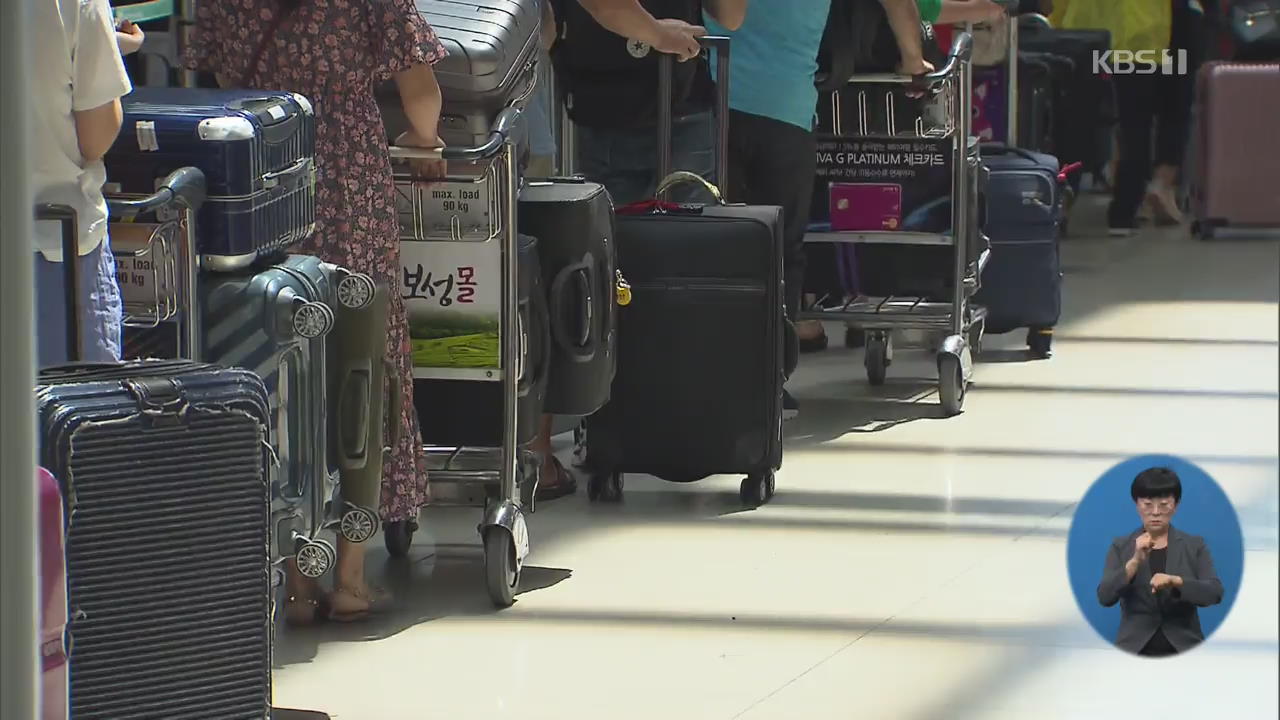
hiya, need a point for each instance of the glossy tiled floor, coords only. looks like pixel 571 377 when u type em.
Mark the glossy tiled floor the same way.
pixel 910 567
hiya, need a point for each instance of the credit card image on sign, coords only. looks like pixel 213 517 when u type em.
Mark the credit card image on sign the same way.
pixel 866 206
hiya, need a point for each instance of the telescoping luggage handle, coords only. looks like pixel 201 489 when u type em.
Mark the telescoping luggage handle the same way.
pixel 719 45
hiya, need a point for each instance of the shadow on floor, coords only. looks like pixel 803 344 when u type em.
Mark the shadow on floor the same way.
pixel 448 582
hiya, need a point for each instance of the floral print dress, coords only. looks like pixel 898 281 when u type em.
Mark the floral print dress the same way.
pixel 333 52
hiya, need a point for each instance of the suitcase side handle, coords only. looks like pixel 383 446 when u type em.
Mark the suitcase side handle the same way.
pixel 66 216
pixel 583 344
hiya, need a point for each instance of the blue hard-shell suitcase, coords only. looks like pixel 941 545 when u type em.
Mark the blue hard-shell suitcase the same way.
pixel 163 467
pixel 1022 283
pixel 256 149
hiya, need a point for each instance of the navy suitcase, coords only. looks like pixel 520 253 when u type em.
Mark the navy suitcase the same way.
pixel 256 149
pixel 274 320
pixel 1022 283
pixel 164 473
pixel 573 221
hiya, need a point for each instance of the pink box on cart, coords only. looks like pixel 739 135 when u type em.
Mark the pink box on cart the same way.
pixel 866 206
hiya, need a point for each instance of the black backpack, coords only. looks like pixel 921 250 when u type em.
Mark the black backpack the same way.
pixel 606 80
pixel 858 39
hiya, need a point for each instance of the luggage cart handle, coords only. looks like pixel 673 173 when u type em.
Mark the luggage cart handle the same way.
pixel 961 52
pixel 184 187
pixel 498 135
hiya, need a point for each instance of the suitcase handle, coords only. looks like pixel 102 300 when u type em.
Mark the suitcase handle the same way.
pixel 684 177
pixel 720 46
pixel 66 215
pixel 354 394
pixel 583 345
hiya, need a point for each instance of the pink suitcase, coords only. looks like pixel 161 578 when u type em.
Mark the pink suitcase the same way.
pixel 866 206
pixel 1236 179
pixel 53 600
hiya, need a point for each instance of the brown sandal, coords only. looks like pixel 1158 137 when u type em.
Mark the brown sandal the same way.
pixel 562 484
pixel 374 602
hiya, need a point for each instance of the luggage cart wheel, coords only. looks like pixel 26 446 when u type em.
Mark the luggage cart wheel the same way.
pixel 500 572
pixel 358 524
pixel 312 320
pixel 398 536
pixel 951 383
pixel 876 357
pixel 605 487
pixel 1040 343
pixel 757 489
pixel 356 291
pixel 315 557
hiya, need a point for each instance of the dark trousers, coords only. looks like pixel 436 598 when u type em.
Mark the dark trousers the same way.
pixel 774 163
pixel 1162 101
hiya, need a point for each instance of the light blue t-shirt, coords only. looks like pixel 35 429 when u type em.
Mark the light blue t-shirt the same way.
pixel 773 59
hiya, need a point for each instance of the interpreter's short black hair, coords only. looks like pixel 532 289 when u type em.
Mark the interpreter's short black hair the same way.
pixel 1157 482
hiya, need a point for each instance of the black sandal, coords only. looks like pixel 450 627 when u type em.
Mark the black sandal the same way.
pixel 561 485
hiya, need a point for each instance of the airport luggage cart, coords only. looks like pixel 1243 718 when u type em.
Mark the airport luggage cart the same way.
pixel 153 240
pixel 954 326
pixel 472 214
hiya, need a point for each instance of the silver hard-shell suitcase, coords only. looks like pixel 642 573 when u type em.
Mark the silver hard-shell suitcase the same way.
pixel 492 48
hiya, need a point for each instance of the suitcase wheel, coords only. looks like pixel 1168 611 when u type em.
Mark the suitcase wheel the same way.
pixel 312 320
pixel 1040 343
pixel 877 357
pixel 315 557
pixel 605 487
pixel 356 291
pixel 358 524
pixel 398 536
pixel 757 489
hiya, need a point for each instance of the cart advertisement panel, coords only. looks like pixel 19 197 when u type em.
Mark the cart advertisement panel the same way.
pixel 453 294
pixel 874 184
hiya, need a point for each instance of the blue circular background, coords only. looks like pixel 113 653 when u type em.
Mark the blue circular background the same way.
pixel 1107 512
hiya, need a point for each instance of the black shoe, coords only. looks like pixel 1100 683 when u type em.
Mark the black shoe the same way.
pixel 790 408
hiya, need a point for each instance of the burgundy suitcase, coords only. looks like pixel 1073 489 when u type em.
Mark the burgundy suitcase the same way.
pixel 53 600
pixel 1236 182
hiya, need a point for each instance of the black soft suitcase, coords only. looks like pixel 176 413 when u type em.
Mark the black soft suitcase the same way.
pixel 573 221
pixel 698 389
pixel 1085 120
pixel 465 413
pixel 1035 102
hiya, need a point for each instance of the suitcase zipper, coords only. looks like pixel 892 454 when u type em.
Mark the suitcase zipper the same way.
pixel 687 285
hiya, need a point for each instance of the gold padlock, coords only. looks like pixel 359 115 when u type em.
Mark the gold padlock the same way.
pixel 623 290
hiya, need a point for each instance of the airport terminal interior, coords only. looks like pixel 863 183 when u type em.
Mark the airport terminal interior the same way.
pixel 909 568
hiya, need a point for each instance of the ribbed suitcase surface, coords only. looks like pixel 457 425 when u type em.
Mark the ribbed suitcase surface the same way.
pixel 164 475
pixel 1236 183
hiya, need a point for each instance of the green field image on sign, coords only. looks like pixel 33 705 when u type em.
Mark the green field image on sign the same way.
pixel 454 340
